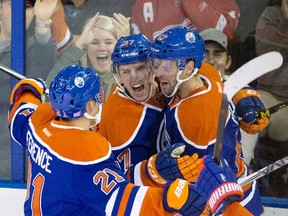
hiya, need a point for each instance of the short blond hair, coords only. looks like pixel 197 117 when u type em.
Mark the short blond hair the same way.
pixel 105 23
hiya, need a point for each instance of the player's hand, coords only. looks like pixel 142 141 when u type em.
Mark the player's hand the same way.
pixel 36 86
pixel 218 185
pixel 168 165
pixel 248 105
pixel 255 127
pixel 182 197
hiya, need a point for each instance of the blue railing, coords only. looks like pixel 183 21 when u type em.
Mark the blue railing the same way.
pixel 17 64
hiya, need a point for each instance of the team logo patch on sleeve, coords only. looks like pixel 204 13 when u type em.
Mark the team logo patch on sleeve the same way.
pixel 26 112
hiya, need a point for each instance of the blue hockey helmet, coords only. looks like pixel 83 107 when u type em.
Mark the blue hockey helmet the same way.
pixel 71 89
pixel 131 49
pixel 179 43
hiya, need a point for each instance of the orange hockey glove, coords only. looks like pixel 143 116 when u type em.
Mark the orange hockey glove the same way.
pixel 35 86
pixel 168 165
pixel 182 197
pixel 255 127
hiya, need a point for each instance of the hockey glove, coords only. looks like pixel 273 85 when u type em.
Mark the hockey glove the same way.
pixel 255 127
pixel 248 104
pixel 218 185
pixel 36 86
pixel 167 165
pixel 182 197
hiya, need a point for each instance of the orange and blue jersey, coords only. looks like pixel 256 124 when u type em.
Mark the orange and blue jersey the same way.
pixel 133 129
pixel 193 120
pixel 71 170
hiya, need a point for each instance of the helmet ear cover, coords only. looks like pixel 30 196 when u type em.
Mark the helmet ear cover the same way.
pixel 181 64
pixel 71 89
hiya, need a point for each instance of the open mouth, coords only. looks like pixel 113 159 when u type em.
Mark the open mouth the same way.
pixel 102 58
pixel 138 88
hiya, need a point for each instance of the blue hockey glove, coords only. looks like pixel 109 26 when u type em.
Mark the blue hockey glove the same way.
pixel 248 104
pixel 167 165
pixel 182 197
pixel 36 86
pixel 218 185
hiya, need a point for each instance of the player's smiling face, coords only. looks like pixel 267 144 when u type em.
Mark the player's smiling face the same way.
pixel 166 72
pixel 136 78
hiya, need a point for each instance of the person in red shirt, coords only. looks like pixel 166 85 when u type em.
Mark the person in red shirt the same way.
pixel 153 17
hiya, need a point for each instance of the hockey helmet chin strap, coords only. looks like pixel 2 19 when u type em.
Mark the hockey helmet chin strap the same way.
pixel 179 81
pixel 122 89
pixel 96 119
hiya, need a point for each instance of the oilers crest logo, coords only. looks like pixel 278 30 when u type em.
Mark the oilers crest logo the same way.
pixel 79 82
pixel 190 37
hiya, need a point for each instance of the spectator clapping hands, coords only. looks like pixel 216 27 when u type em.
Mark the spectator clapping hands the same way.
pixel 87 35
pixel 121 24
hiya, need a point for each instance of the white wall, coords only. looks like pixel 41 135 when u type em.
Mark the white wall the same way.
pixel 11 201
pixel 11 204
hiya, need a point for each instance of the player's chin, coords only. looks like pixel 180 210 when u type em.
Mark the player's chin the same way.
pixel 166 90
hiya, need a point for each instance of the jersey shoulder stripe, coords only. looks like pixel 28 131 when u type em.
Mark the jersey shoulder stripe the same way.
pixel 65 141
pixel 211 72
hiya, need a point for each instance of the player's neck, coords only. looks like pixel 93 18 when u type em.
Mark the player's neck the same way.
pixel 190 85
pixel 81 122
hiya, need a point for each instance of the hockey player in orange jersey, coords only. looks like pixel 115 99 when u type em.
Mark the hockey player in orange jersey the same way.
pixel 138 101
pixel 193 104
pixel 72 169
pixel 131 58
pixel 135 106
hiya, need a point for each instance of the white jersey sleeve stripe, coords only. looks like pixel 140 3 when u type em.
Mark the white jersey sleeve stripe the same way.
pixel 139 200
pixel 137 177
pixel 111 202
pixel 248 198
